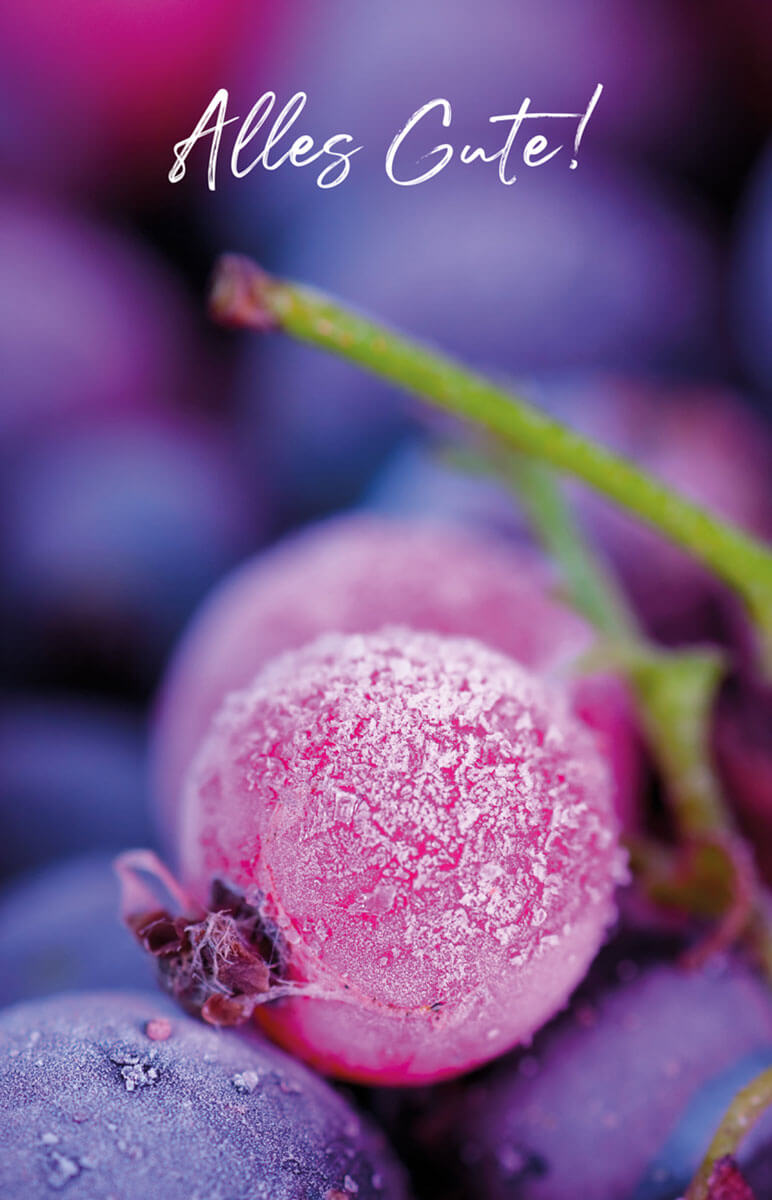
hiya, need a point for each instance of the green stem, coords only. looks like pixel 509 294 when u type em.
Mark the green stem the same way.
pixel 244 295
pixel 674 690
pixel 743 1113
pixel 592 589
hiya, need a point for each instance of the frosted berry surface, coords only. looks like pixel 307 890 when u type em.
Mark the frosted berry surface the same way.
pixel 111 1094
pixel 355 574
pixel 431 835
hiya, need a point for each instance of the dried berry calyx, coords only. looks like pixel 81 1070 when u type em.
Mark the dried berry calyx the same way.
pixel 219 963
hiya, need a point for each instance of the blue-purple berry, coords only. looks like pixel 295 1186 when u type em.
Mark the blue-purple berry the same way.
pixel 120 1095
pixel 61 931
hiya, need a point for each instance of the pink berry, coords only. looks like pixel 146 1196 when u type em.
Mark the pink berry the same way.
pixel 425 846
pixel 354 574
pixel 116 85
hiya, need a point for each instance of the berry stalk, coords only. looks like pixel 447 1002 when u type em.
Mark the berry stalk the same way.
pixel 674 693
pixel 244 295
pixel 674 690
pixel 743 1113
pixel 591 587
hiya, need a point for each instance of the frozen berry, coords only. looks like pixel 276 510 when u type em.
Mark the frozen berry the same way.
pixel 93 1106
pixel 60 930
pixel 425 842
pixel 620 1096
pixel 354 574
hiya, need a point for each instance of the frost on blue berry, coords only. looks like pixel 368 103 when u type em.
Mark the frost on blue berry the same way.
pixel 110 1094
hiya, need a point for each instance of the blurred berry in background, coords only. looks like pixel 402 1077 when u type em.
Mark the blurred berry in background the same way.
pixel 94 95
pixel 60 928
pixel 604 273
pixel 93 323
pixel 690 1039
pixel 113 530
pixel 72 779
pixel 367 70
pixel 706 442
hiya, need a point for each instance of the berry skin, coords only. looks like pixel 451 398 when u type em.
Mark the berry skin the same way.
pixel 60 932
pixel 94 1105
pixel 354 574
pixel 427 838
pixel 641 1071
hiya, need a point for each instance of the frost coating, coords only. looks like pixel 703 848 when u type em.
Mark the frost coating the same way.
pixel 93 1107
pixel 355 574
pixel 431 832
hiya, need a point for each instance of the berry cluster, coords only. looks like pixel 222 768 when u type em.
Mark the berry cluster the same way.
pixel 345 851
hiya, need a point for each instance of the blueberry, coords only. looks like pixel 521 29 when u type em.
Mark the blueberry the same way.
pixel 114 1094
pixel 113 531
